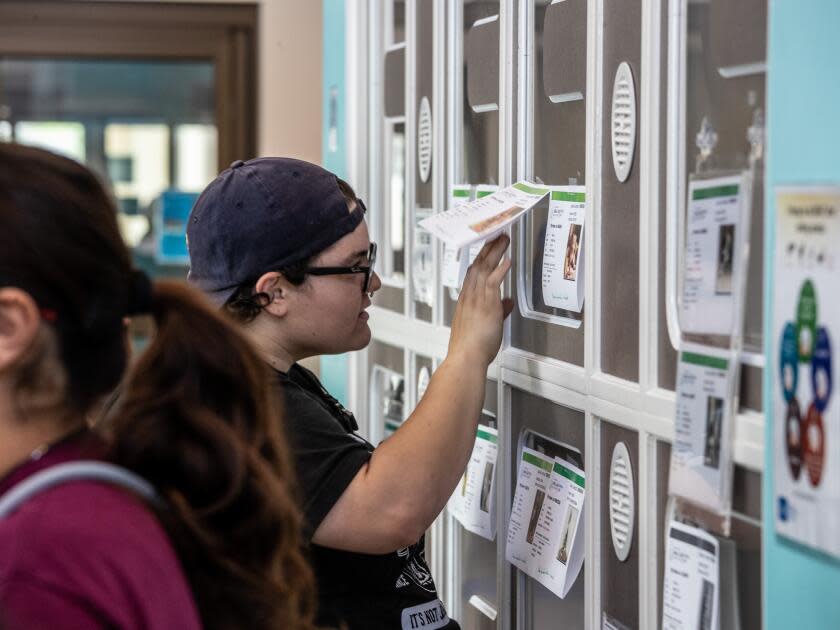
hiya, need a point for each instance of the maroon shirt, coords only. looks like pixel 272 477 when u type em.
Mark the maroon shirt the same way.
pixel 88 555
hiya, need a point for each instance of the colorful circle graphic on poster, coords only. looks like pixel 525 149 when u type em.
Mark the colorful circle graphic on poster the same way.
pixel 793 435
pixel 806 321
pixel 813 445
pixel 789 363
pixel 821 370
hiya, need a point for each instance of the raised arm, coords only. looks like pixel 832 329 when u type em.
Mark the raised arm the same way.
pixel 409 478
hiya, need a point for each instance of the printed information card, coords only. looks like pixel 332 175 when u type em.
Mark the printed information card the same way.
pixel 713 226
pixel 690 594
pixel 563 259
pixel 806 316
pixel 473 502
pixel 485 218
pixel 702 451
pixel 545 534
pixel 456 262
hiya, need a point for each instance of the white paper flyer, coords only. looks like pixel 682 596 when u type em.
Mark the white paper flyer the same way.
pixel 563 254
pixel 473 502
pixel 806 316
pixel 712 249
pixel 702 451
pixel 690 594
pixel 484 218
pixel 546 533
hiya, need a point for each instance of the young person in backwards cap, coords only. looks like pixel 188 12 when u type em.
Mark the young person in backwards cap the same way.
pixel 207 534
pixel 282 244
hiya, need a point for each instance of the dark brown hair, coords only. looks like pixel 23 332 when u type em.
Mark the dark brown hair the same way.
pixel 197 416
pixel 246 303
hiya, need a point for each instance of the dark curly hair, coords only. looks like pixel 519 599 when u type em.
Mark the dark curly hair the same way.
pixel 246 303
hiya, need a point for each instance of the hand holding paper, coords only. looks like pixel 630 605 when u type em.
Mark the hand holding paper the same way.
pixel 481 311
pixel 484 218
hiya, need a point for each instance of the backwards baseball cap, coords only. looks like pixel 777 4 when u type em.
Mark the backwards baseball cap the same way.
pixel 263 215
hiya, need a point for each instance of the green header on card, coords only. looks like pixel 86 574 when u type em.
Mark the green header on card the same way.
pixel 572 476
pixel 484 435
pixel 717 191
pixel 480 194
pixel 563 195
pixel 704 360
pixel 531 190
pixel 536 461
pixel 460 192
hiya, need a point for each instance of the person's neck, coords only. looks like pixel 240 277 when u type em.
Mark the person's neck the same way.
pixel 271 346
pixel 21 437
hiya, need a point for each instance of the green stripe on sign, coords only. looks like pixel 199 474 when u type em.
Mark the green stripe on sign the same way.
pixel 569 474
pixel 461 192
pixel 717 191
pixel 704 360
pixel 536 461
pixel 531 190
pixel 562 195
pixel 483 193
pixel 484 435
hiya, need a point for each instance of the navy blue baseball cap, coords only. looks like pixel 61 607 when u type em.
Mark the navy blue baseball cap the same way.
pixel 260 216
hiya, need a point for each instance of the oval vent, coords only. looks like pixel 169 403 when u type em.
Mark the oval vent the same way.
pixel 623 121
pixel 622 501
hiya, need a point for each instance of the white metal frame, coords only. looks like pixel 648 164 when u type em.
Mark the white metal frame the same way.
pixel 643 407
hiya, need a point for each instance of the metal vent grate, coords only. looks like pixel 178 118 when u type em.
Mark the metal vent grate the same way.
pixel 424 139
pixel 623 121
pixel 622 503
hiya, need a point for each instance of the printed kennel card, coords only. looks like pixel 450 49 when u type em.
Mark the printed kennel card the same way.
pixel 473 501
pixel 545 533
pixel 714 237
pixel 457 261
pixel 484 218
pixel 701 459
pixel 690 593
pixel 563 259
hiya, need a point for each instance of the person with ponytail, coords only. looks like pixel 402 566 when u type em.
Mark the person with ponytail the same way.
pixel 181 512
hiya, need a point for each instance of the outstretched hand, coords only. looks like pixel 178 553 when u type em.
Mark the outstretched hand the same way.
pixel 481 311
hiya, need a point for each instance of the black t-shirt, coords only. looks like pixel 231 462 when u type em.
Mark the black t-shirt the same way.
pixel 364 591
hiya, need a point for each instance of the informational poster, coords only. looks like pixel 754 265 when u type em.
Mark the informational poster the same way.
pixel 714 226
pixel 563 259
pixel 690 593
pixel 701 459
pixel 473 502
pixel 484 218
pixel 423 274
pixel 546 533
pixel 806 316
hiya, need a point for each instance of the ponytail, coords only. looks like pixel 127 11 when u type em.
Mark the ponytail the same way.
pixel 199 420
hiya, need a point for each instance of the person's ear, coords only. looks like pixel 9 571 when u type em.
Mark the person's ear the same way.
pixel 278 290
pixel 20 320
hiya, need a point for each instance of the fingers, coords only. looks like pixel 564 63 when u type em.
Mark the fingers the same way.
pixel 507 307
pixel 497 276
pixel 486 264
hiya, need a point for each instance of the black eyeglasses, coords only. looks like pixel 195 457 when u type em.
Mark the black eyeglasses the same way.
pixel 335 271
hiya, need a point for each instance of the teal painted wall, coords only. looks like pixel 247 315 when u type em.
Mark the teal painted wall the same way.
pixel 801 587
pixel 334 369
